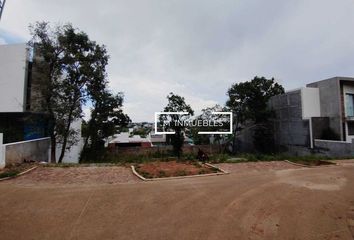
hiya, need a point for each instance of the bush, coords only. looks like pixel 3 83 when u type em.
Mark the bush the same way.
pixel 8 174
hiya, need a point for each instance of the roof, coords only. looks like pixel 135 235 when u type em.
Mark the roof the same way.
pixel 125 137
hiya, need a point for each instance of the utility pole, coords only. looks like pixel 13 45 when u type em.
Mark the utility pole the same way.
pixel 2 5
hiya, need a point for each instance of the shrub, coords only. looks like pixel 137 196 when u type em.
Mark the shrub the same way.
pixel 8 174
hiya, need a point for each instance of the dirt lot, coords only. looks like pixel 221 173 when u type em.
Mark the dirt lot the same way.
pixel 172 169
pixel 279 202
pixel 77 176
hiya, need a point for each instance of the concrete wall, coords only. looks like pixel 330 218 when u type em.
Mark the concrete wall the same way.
pixel 73 154
pixel 33 150
pixel 330 102
pixel 13 64
pixel 334 148
pixel 245 139
pixel 289 126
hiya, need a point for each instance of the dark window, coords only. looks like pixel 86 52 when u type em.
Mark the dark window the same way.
pixel 350 128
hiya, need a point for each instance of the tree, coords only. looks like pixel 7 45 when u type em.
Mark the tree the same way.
pixel 69 64
pixel 207 115
pixel 107 118
pixel 176 104
pixel 248 102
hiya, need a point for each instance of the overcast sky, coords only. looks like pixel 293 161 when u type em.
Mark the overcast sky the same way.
pixel 199 48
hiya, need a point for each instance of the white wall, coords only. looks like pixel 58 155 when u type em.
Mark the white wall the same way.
pixel 13 63
pixel 310 100
pixel 73 154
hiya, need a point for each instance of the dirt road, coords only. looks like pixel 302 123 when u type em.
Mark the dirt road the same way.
pixel 302 203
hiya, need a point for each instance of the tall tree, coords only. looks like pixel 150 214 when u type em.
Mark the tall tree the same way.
pixel 176 103
pixel 107 118
pixel 207 115
pixel 68 63
pixel 248 102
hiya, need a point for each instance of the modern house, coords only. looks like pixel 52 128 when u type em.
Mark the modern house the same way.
pixel 21 118
pixel 316 118
pixel 17 121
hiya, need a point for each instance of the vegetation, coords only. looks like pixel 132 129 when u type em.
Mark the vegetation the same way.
pixel 142 132
pixel 71 71
pixel 176 104
pixel 207 115
pixel 107 118
pixel 9 174
pixel 248 102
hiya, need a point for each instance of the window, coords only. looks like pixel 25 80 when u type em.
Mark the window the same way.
pixel 350 128
pixel 349 105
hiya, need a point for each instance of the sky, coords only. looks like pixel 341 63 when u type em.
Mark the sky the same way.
pixel 199 48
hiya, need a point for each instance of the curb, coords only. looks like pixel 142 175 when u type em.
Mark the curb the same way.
pixel 223 172
pixel 218 168
pixel 20 174
pixel 307 166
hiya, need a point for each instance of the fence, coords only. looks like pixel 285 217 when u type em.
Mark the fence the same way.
pixel 33 150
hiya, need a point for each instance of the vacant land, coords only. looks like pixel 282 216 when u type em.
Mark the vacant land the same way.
pixel 270 202
pixel 172 169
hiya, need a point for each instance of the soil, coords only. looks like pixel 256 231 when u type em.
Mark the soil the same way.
pixel 13 170
pixel 172 169
pixel 264 200
pixel 98 175
pixel 313 163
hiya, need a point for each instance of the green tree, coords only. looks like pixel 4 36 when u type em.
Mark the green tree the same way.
pixel 107 118
pixel 69 64
pixel 207 115
pixel 248 102
pixel 176 103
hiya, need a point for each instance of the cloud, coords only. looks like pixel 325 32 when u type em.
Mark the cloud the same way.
pixel 199 48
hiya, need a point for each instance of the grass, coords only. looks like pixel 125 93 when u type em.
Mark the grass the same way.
pixel 9 174
pixel 124 159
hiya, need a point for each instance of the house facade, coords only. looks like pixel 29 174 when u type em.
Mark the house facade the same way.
pixel 21 115
pixel 17 121
pixel 322 112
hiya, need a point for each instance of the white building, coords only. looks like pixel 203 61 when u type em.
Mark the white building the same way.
pixel 16 95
